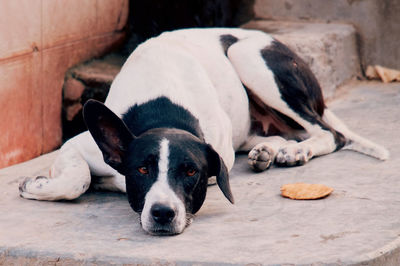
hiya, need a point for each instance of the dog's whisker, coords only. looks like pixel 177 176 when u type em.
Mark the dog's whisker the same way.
pixel 189 219
pixel 139 218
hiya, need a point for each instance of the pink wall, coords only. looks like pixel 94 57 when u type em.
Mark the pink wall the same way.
pixel 39 41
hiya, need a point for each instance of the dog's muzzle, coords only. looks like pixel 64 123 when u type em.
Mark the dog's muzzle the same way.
pixel 164 219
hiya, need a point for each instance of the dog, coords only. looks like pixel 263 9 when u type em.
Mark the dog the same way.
pixel 182 105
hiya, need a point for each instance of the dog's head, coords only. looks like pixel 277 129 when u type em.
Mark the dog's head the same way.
pixel 166 170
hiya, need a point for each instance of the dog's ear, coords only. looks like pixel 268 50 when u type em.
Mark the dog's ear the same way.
pixel 218 168
pixel 109 132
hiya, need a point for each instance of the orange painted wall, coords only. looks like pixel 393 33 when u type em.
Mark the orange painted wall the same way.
pixel 39 41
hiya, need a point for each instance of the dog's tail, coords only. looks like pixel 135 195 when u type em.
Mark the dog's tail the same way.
pixel 353 141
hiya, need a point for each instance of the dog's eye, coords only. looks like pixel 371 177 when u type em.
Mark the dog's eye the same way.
pixel 143 170
pixel 191 172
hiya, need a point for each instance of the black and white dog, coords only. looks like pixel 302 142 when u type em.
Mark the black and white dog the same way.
pixel 181 106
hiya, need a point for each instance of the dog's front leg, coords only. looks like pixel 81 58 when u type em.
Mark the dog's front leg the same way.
pixel 69 177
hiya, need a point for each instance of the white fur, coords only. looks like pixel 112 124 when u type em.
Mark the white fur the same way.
pixel 161 193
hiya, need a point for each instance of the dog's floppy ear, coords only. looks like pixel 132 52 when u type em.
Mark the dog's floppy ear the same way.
pixel 109 132
pixel 218 168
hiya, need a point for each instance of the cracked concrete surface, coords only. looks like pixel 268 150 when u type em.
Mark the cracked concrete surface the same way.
pixel 359 223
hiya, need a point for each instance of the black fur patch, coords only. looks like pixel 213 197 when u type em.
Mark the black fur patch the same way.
pixel 160 113
pixel 226 41
pixel 298 86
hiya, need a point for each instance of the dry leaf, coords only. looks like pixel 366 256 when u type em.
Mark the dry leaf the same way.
pixel 385 74
pixel 371 73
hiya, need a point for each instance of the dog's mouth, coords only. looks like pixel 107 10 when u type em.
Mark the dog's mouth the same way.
pixel 162 232
pixel 169 229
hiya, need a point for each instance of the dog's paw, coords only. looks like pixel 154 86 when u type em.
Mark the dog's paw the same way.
pixel 29 187
pixel 260 157
pixel 293 155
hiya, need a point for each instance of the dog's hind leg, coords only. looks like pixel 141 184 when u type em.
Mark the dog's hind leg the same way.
pixel 284 83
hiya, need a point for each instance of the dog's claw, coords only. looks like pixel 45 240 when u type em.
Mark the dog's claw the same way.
pixel 293 155
pixel 260 158
pixel 29 183
pixel 22 184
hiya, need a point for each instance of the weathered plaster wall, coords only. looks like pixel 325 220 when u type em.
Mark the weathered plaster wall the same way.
pixel 39 41
pixel 377 22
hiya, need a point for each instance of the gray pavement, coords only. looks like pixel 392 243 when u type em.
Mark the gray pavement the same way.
pixel 359 223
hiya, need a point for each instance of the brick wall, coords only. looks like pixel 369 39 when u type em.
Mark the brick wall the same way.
pixel 39 41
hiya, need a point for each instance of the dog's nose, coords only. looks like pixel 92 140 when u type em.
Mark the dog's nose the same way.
pixel 162 214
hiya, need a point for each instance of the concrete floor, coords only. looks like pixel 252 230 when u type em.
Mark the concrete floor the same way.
pixel 358 224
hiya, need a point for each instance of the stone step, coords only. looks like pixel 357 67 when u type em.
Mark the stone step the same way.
pixel 376 21
pixel 358 224
pixel 90 80
pixel 329 49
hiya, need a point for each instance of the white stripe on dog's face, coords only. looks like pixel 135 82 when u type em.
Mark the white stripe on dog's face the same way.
pixel 163 161
pixel 162 193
